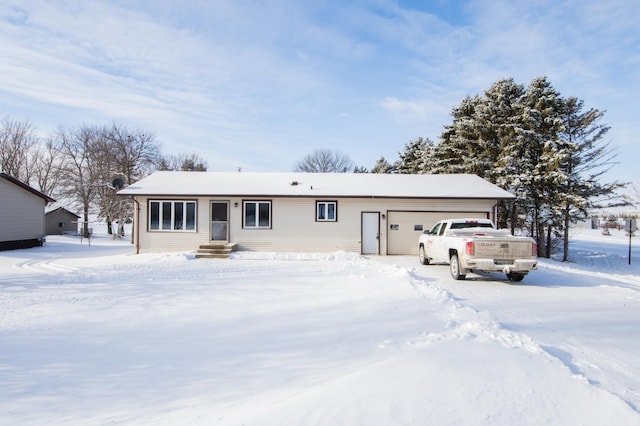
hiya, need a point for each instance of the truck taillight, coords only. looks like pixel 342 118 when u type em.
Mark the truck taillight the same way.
pixel 470 248
pixel 534 249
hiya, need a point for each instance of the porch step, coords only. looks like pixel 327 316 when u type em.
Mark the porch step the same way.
pixel 215 251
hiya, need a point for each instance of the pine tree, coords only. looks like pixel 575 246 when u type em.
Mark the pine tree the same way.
pixel 498 122
pixel 417 157
pixel 534 143
pixel 382 166
pixel 543 155
pixel 460 149
pixel 589 159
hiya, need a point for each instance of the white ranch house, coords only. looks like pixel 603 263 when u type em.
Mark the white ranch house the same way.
pixel 302 212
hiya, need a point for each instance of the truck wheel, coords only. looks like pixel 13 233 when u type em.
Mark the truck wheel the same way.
pixel 454 265
pixel 514 276
pixel 422 255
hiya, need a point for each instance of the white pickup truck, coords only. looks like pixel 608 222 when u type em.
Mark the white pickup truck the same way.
pixel 475 245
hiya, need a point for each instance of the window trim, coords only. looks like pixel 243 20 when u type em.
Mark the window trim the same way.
pixel 326 203
pixel 172 223
pixel 257 203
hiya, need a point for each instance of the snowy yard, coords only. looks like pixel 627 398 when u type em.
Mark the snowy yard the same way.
pixel 94 335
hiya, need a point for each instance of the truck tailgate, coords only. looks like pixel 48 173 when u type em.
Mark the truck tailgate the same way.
pixel 502 248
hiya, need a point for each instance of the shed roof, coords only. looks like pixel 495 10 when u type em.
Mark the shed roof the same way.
pixel 369 185
pixel 55 208
pixel 26 187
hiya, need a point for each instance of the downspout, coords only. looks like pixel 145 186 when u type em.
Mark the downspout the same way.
pixel 495 214
pixel 136 229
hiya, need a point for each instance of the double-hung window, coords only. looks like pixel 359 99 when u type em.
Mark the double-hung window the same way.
pixel 257 214
pixel 326 211
pixel 172 215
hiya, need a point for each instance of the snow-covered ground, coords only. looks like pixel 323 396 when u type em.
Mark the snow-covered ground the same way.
pixel 96 335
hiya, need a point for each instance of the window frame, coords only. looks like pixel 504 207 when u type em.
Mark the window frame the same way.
pixel 257 204
pixel 183 215
pixel 326 204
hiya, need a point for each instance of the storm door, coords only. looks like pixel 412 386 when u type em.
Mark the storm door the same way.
pixel 219 221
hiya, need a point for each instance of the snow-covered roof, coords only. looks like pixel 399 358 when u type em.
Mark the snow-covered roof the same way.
pixel 316 185
pixel 26 187
pixel 57 206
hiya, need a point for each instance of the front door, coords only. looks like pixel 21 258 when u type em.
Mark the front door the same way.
pixel 219 221
pixel 370 233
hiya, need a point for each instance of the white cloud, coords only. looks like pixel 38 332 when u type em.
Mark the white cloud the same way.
pixel 257 83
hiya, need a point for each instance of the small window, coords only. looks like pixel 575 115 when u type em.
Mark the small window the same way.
pixel 257 214
pixel 172 215
pixel 326 211
pixel 394 227
pixel 417 227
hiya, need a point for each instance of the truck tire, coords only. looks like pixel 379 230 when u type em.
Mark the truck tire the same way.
pixel 423 256
pixel 515 276
pixel 454 266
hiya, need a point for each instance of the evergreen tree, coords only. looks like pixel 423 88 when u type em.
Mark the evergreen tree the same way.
pixel 417 157
pixel 382 166
pixel 539 146
pixel 460 150
pixel 543 155
pixel 588 160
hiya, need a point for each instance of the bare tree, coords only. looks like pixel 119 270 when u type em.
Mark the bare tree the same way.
pixel 136 152
pixel 17 141
pixel 183 162
pixel 78 173
pixel 324 161
pixel 46 167
pixel 130 156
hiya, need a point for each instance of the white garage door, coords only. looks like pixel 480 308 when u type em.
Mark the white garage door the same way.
pixel 404 228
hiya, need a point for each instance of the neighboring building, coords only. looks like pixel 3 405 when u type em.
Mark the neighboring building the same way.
pixel 60 221
pixel 21 213
pixel 302 212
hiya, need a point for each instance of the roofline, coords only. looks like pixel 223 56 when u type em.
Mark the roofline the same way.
pixel 27 187
pixel 411 197
pixel 62 208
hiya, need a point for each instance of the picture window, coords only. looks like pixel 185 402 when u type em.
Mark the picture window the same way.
pixel 172 215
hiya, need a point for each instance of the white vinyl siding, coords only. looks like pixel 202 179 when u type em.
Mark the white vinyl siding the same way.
pixel 294 227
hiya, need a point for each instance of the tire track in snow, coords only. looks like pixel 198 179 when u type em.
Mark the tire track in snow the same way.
pixel 45 266
pixel 466 323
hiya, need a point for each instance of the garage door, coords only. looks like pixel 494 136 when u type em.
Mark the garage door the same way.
pixel 404 228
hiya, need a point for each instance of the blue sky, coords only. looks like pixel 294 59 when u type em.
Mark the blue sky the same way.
pixel 259 84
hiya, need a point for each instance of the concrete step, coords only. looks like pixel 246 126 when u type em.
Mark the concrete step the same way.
pixel 212 256
pixel 215 251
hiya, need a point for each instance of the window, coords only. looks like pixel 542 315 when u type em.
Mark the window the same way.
pixel 172 215
pixel 257 214
pixel 326 211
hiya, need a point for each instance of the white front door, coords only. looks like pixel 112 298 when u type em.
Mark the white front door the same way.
pixel 370 233
pixel 219 221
